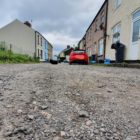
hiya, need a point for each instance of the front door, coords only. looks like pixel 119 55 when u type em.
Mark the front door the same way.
pixel 134 51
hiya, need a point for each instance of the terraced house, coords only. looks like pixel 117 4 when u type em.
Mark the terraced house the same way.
pixel 95 38
pixel 23 39
pixel 82 43
pixel 124 25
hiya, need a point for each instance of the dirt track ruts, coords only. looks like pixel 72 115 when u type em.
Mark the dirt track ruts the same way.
pixel 56 102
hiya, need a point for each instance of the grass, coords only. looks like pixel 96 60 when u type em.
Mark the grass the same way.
pixel 10 57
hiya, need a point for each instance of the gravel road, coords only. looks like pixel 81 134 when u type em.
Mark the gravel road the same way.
pixel 62 102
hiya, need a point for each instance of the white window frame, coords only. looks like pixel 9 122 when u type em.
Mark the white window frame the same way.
pixel 135 19
pixel 116 30
pixel 117 3
pixel 101 47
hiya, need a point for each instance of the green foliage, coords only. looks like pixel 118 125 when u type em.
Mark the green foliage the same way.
pixel 76 48
pixel 10 57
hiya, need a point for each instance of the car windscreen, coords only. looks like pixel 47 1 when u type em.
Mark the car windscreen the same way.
pixel 79 52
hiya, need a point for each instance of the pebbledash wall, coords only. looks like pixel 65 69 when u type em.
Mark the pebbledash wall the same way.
pixel 20 36
pixel 124 25
pixel 43 47
pixel 40 46
pixel 25 40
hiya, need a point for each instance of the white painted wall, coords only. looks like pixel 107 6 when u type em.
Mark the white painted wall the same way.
pixel 20 36
pixel 40 47
pixel 122 14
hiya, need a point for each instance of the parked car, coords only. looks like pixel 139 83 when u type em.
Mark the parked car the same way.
pixel 54 62
pixel 79 56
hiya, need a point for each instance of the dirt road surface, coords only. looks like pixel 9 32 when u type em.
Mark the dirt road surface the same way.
pixel 62 102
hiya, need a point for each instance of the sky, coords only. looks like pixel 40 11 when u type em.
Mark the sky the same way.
pixel 62 22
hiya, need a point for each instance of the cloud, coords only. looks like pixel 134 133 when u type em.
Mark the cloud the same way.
pixel 60 39
pixel 62 22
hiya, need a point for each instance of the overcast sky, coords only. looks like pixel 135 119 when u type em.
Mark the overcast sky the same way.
pixel 62 22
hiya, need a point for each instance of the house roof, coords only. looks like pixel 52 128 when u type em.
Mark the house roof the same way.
pixel 97 14
pixel 66 50
pixel 18 21
pixel 30 28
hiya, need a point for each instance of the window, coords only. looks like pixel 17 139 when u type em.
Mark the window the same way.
pixel 90 32
pixel 38 39
pixel 117 3
pixel 38 53
pixel 89 51
pixel 136 15
pixel 102 17
pixel 136 26
pixel 89 35
pixel 136 31
pixel 41 41
pixel 94 48
pixel 96 25
pixel 41 55
pixel 116 33
pixel 101 47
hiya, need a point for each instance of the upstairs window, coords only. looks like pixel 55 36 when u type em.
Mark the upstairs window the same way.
pixel 94 48
pixel 116 33
pixel 38 39
pixel 96 25
pixel 136 15
pixel 102 16
pixel 136 26
pixel 41 41
pixel 117 3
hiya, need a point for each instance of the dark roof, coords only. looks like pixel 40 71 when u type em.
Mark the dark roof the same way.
pixel 66 50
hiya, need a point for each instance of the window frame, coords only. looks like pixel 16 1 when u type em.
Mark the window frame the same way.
pixel 117 3
pixel 41 41
pixel 101 52
pixel 135 19
pixel 38 39
pixel 116 27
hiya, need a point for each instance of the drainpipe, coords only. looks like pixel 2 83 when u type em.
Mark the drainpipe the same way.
pixel 105 30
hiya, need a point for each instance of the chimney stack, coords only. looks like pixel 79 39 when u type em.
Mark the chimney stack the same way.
pixel 28 24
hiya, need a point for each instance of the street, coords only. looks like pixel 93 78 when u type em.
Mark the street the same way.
pixel 72 102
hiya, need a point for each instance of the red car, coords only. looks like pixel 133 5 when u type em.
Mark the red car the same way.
pixel 79 56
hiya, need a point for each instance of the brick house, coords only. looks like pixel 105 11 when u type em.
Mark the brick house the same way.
pixel 95 37
pixel 82 44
